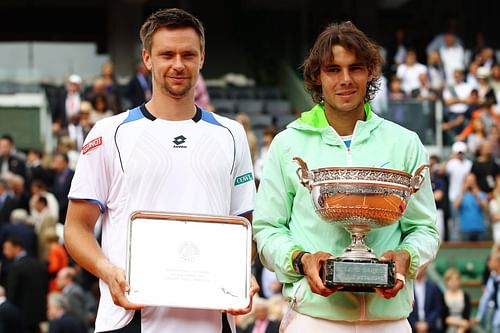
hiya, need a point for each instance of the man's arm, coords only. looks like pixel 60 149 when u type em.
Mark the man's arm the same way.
pixel 84 249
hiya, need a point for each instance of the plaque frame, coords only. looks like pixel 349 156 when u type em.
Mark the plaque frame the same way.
pixel 215 274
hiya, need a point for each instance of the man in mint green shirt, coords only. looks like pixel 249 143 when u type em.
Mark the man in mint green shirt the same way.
pixel 341 73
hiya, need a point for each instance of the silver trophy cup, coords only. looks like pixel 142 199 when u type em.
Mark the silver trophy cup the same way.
pixel 359 199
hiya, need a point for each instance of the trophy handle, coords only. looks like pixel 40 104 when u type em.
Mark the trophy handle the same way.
pixel 418 178
pixel 303 173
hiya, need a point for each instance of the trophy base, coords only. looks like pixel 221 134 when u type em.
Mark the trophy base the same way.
pixel 359 275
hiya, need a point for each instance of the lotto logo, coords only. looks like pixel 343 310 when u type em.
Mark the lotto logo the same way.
pixel 92 145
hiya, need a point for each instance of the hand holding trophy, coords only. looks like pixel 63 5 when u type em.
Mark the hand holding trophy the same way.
pixel 359 199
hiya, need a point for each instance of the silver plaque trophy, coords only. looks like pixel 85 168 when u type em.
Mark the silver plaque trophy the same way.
pixel 359 199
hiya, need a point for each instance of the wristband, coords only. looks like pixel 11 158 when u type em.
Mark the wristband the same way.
pixel 297 263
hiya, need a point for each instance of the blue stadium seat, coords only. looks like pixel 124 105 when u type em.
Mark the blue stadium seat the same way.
pixel 278 107
pixel 250 106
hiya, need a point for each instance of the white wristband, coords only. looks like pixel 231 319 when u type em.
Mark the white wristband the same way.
pixel 401 278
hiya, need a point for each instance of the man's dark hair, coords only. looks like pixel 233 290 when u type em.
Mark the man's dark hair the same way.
pixel 8 137
pixel 15 240
pixel 64 156
pixel 171 18
pixel 43 200
pixel 351 38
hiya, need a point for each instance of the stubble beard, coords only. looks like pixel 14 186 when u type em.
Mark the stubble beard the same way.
pixel 177 93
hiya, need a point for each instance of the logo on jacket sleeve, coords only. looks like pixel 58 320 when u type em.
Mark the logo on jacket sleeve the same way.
pixel 92 145
pixel 243 179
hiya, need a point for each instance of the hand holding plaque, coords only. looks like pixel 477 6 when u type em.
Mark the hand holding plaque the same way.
pixel 359 199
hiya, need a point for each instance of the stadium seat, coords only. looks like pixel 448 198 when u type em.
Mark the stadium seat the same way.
pixel 250 106
pixel 216 92
pixel 470 268
pixel 268 92
pixel 241 93
pixel 224 105
pixel 284 119
pixel 261 120
pixel 278 107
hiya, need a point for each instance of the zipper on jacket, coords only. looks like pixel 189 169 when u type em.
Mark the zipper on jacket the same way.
pixel 348 149
pixel 362 307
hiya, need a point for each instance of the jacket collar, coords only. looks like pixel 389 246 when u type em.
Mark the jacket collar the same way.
pixel 315 120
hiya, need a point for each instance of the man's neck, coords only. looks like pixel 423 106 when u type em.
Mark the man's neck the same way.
pixel 171 108
pixel 344 122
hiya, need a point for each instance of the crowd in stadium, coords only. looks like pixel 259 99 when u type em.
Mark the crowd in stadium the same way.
pixel 34 184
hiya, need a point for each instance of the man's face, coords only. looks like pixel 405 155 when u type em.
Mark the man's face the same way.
pixel 60 280
pixel 175 60
pixel 9 250
pixel 344 81
pixel 5 147
pixel 59 163
pixel 53 311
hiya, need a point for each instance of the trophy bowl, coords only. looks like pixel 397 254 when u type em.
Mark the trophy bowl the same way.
pixel 359 199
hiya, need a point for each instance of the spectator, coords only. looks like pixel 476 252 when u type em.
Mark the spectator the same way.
pixel 270 285
pixel 457 302
pixel 439 188
pixel 244 120
pixel 100 108
pixel 477 137
pixel 68 147
pixel 494 207
pixel 456 98
pixel 456 168
pixel 79 126
pixel 45 224
pixel 57 258
pixel 487 57
pixel 60 321
pixel 201 95
pixel 268 136
pixel 453 56
pixel 9 160
pixel 262 324
pixel 428 309
pixel 139 89
pixel 10 317
pixel 26 284
pixel 488 313
pixel 7 202
pixel 67 105
pixel 435 71
pixel 396 51
pixel 409 72
pixel 396 93
pixel 485 168
pixel 20 226
pixel 486 92
pixel 77 299
pixel 99 88
pixel 39 188
pixel 472 204
pixel 495 80
pixel 439 40
pixel 35 168
pixel 62 182
pixel 111 84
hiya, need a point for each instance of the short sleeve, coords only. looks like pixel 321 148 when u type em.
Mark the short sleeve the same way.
pixel 92 175
pixel 243 183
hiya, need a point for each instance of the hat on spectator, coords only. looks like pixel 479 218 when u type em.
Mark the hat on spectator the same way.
pixel 459 147
pixel 74 78
pixel 483 73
